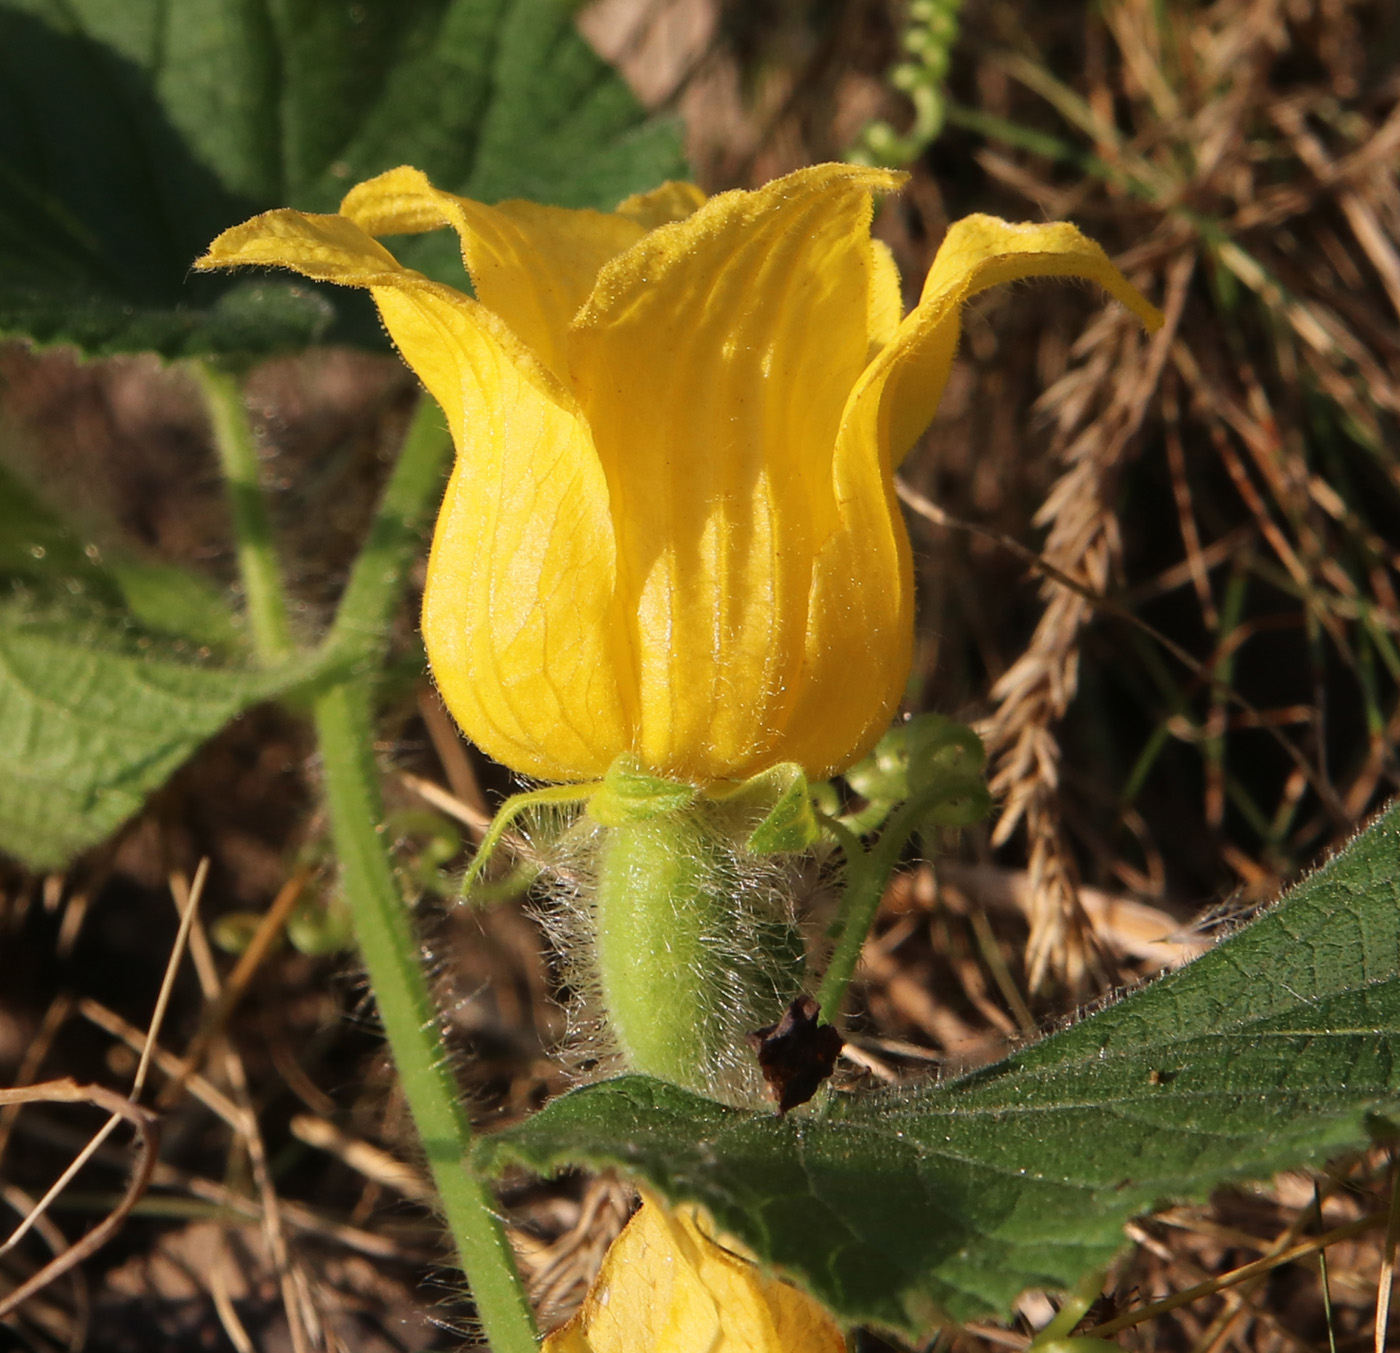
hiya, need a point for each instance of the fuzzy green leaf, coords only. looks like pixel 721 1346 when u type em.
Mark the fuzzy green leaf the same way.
pixel 133 131
pixel 46 565
pixel 1276 1049
pixel 93 719
pixel 107 679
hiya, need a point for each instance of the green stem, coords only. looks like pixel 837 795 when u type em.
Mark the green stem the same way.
pixel 257 559
pixel 387 944
pixel 865 885
pixel 345 735
pixel 413 490
pixel 1056 1335
pixel 868 871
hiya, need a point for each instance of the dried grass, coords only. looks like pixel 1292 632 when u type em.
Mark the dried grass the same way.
pixel 1099 407
pixel 1201 136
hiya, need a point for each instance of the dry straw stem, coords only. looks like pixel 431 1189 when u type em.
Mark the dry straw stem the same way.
pixel 216 1017
pixel 302 1320
pixel 69 1325
pixel 1392 1236
pixel 559 1271
pixel 272 1213
pixel 122 1109
pixel 1245 1273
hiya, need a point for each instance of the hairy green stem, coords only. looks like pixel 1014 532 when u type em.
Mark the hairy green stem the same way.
pixel 390 952
pixel 263 593
pixel 865 885
pixel 692 949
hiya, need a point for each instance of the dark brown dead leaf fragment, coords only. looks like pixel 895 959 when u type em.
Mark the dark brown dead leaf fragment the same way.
pixel 795 1055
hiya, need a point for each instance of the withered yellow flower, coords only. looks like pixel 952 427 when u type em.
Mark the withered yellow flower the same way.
pixel 672 529
pixel 668 1286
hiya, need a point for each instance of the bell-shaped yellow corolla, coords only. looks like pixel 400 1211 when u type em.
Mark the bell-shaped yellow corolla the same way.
pixel 672 529
pixel 668 1286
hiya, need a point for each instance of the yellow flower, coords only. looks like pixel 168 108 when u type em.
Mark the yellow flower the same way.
pixel 672 528
pixel 666 1286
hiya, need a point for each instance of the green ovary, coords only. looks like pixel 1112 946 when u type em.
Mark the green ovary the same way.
pixel 690 955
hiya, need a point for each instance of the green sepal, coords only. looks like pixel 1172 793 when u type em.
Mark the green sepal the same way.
pixel 507 813
pixel 628 794
pixel 790 826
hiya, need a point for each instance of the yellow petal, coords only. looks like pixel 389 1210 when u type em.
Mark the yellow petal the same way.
pixel 860 629
pixel 855 673
pixel 531 265
pixel 712 363
pixel 978 252
pixel 335 249
pixel 891 405
pixel 518 609
pixel 672 529
pixel 673 201
pixel 886 298
pixel 666 1286
pixel 328 248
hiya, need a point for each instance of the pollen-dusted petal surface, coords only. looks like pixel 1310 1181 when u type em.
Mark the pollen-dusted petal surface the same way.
pixel 531 265
pixel 517 609
pixel 978 252
pixel 666 1286
pixel 673 201
pixel 712 363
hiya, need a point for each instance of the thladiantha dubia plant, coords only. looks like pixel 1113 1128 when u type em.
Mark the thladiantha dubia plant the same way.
pixel 670 577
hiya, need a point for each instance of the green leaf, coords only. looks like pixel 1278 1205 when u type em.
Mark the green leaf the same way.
pixel 105 680
pixel 93 719
pixel 1277 1049
pixel 133 131
pixel 171 600
pixel 39 554
pixel 47 565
